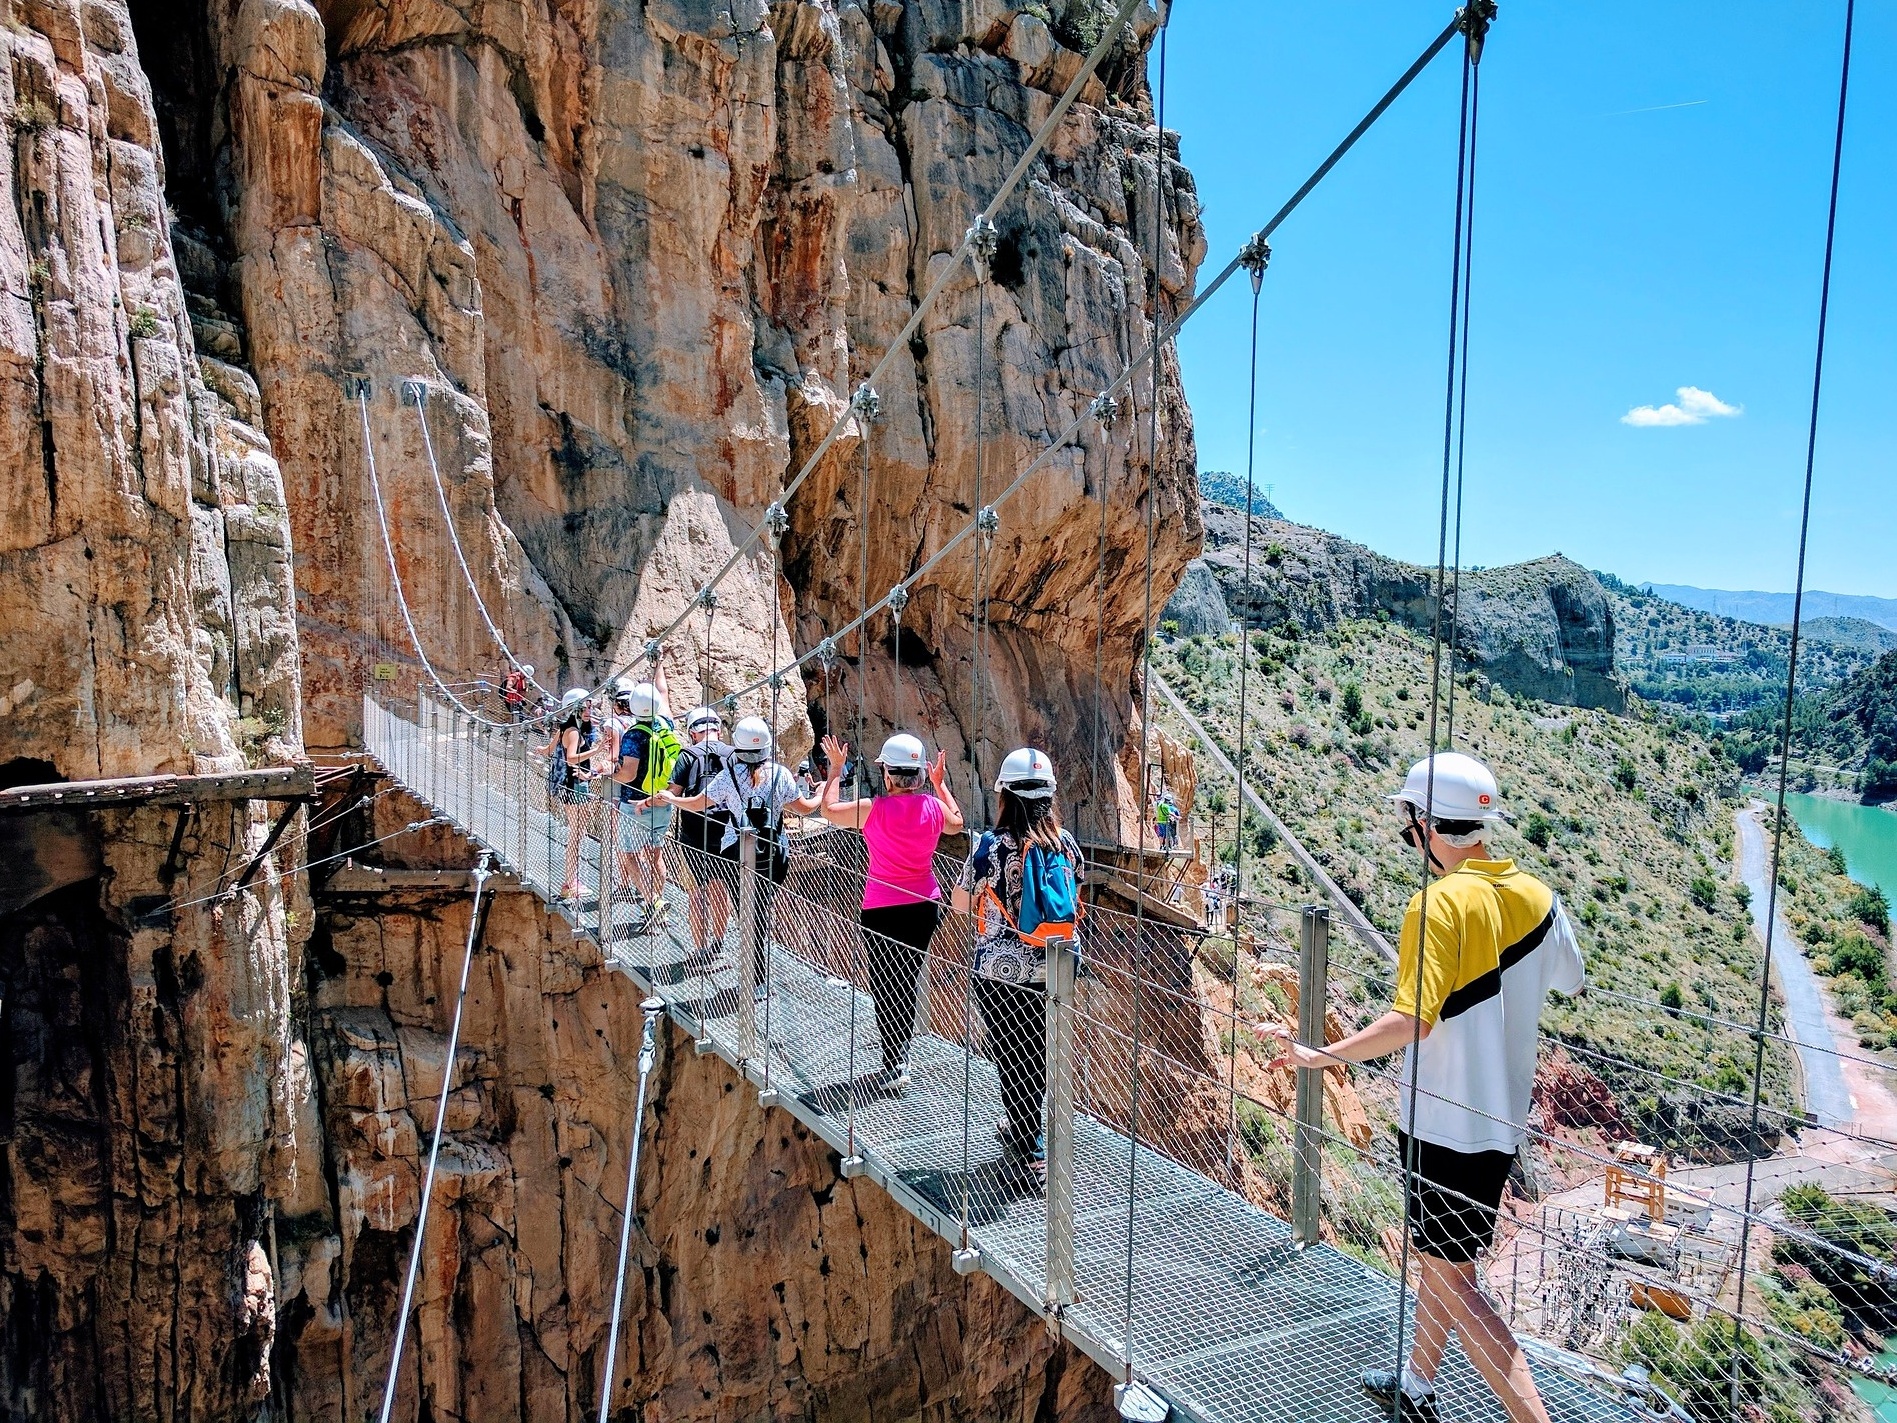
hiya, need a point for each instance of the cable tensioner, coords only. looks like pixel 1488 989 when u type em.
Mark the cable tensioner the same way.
pixel 983 239
pixel 1255 256
pixel 1474 20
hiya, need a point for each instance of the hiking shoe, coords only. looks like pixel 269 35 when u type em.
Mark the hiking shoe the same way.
pixel 1418 1406
pixel 894 1080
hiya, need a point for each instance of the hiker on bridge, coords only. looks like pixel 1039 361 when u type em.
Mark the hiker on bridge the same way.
pixel 570 752
pixel 1022 885
pixel 700 833
pixel 754 791
pixel 647 745
pixel 515 687
pixel 902 900
pixel 1470 987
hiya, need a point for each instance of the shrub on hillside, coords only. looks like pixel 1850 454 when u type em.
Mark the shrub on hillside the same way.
pixel 1869 906
pixel 1705 893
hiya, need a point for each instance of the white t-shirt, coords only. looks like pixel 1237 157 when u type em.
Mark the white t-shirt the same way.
pixel 740 789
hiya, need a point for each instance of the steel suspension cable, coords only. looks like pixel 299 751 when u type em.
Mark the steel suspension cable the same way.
pixel 976 797
pixel 434 1148
pixel 1462 403
pixel 862 595
pixel 1156 295
pixel 653 1008
pixel 1791 681
pixel 1260 257
pixel 1474 20
pixel 395 575
pixel 1169 330
pixel 454 537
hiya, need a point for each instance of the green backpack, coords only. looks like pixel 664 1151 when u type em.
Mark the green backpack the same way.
pixel 662 749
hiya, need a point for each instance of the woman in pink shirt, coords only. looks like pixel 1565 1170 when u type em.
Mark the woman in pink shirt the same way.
pixel 901 899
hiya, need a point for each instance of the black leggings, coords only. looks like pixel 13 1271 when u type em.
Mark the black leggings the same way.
pixel 1016 1017
pixel 772 868
pixel 896 937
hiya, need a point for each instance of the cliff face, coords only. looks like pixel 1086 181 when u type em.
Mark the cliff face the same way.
pixel 1542 629
pixel 634 257
pixel 641 255
pixel 151 1079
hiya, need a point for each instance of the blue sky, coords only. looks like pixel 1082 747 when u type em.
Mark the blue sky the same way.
pixel 1650 218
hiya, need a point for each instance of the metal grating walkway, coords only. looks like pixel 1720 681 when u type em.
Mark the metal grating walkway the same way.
pixel 1231 1322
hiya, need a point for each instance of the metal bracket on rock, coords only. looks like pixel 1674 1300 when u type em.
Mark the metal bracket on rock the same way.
pixel 415 393
pixel 355 386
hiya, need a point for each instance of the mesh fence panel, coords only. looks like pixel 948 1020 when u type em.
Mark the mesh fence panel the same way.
pixel 1753 1280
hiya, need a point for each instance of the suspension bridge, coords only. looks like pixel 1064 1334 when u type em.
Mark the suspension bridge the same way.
pixel 1155 1244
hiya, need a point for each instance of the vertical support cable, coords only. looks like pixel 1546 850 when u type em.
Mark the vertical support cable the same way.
pixel 1791 696
pixel 982 238
pixel 1473 22
pixel 1256 256
pixel 434 1149
pixel 648 1045
pixel 1129 1394
pixel 747 940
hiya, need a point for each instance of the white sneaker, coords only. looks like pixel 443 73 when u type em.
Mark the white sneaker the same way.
pixel 893 1079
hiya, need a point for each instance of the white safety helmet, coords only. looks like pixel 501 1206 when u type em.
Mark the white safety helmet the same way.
pixel 1462 788
pixel 703 719
pixel 572 699
pixel 1027 773
pixel 526 669
pixel 751 740
pixel 902 752
pixel 641 698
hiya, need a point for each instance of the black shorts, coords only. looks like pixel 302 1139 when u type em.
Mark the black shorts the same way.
pixel 699 832
pixel 1453 1198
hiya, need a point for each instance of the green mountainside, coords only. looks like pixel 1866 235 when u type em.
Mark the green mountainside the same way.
pixel 1723 667
pixel 1849 728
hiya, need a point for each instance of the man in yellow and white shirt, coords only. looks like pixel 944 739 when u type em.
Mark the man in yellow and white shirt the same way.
pixel 1481 948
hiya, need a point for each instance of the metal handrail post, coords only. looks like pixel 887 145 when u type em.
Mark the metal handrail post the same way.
pixel 1307 1159
pixel 747 939
pixel 1062 961
pixel 610 811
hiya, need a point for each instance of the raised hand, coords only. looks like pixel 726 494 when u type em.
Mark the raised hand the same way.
pixel 938 769
pixel 835 753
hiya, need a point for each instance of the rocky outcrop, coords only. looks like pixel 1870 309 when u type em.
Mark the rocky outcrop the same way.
pixel 1542 629
pixel 149 1090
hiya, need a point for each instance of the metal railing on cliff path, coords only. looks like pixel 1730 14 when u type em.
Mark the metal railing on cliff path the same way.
pixel 1220 1239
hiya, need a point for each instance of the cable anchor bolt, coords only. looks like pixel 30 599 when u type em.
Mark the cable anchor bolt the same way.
pixel 777 522
pixel 866 404
pixel 415 393
pixel 1104 408
pixel 355 386
pixel 1474 20
pixel 983 240
pixel 1254 257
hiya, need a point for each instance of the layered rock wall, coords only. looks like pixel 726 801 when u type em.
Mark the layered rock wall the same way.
pixel 151 1079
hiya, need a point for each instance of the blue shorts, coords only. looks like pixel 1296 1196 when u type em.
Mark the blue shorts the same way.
pixel 643 829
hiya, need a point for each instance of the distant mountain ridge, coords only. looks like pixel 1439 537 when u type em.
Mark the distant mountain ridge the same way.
pixel 1776 608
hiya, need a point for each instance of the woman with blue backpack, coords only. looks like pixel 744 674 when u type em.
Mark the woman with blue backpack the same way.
pixel 1022 885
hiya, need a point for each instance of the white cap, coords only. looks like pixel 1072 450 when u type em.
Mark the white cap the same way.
pixel 751 739
pixel 1027 773
pixel 902 752
pixel 703 719
pixel 1463 788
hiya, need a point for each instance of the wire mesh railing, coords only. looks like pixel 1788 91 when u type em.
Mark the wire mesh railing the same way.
pixel 1116 1148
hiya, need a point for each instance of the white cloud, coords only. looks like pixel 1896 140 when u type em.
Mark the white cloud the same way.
pixel 1695 407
